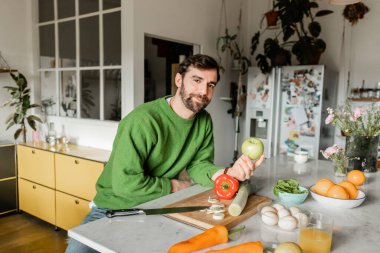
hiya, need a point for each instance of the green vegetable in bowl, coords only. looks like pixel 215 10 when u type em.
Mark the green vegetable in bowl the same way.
pixel 287 185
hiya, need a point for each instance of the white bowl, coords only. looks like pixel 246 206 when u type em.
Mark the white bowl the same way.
pixel 301 156
pixel 341 203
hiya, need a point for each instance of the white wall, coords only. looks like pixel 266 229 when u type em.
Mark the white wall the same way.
pixel 16 48
pixel 195 21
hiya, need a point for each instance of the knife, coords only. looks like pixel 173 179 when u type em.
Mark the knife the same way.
pixel 155 211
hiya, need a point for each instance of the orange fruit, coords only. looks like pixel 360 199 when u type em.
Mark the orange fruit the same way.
pixel 338 192
pixel 323 185
pixel 350 189
pixel 356 177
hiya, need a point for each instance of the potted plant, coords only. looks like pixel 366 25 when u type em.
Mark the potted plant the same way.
pixel 354 12
pixel 20 100
pixel 271 16
pixel 297 19
pixel 295 16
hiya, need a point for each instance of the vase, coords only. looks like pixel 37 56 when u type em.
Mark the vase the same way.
pixel 340 168
pixel 362 152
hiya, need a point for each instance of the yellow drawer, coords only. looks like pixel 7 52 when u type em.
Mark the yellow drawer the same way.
pixel 37 200
pixel 77 176
pixel 70 210
pixel 36 165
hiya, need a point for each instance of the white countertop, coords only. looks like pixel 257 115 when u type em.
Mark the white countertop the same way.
pixel 355 230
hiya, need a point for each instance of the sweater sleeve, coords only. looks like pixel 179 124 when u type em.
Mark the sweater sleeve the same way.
pixel 202 167
pixel 129 179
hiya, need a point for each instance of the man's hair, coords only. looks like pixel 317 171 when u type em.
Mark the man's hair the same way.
pixel 199 61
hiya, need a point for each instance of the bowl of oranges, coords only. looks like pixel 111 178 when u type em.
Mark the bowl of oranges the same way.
pixel 344 194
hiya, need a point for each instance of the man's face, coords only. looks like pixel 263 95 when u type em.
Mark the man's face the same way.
pixel 197 87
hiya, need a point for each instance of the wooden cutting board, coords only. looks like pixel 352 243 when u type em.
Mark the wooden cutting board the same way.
pixel 204 220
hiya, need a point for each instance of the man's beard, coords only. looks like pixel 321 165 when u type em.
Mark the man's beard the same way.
pixel 189 103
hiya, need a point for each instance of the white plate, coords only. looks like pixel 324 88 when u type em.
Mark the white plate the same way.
pixel 341 203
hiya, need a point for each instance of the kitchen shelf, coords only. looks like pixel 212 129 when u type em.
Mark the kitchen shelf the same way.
pixel 4 70
pixel 365 99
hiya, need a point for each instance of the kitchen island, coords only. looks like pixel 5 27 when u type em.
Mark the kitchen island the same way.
pixel 355 230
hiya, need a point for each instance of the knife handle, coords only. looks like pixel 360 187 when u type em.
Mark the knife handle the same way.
pixel 124 212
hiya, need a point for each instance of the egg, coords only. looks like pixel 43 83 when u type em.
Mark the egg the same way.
pixel 278 207
pixel 294 210
pixel 288 223
pixel 268 209
pixel 301 217
pixel 269 218
pixel 283 212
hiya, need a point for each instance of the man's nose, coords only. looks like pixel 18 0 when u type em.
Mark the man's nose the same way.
pixel 203 89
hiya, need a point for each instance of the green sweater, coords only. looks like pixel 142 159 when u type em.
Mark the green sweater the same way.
pixel 153 145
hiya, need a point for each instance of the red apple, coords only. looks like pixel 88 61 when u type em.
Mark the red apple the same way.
pixel 253 148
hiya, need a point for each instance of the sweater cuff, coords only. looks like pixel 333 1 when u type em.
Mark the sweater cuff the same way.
pixel 166 187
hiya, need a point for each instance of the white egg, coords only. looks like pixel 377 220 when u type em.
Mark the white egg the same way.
pixel 268 209
pixel 294 210
pixel 269 218
pixel 278 207
pixel 283 212
pixel 301 217
pixel 288 223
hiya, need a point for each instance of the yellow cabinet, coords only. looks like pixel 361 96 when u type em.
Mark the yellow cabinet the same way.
pixel 37 200
pixel 57 185
pixel 77 176
pixel 36 165
pixel 70 210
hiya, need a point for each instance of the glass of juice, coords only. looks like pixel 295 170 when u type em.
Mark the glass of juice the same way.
pixel 315 234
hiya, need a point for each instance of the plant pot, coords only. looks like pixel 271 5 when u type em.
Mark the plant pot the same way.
pixel 272 18
pixel 363 152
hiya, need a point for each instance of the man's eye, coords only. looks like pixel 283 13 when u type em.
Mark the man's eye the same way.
pixel 197 81
pixel 212 86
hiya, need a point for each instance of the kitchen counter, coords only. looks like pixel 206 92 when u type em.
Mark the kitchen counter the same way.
pixel 355 230
pixel 93 154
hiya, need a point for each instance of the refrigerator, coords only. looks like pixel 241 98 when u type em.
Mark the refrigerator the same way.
pixel 286 109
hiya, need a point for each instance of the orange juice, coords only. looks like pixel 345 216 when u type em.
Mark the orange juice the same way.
pixel 313 240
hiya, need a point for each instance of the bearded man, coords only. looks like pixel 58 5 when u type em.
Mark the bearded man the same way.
pixel 158 140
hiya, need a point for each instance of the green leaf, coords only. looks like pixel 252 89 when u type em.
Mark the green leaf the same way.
pixel 323 13
pixel 9 118
pixel 314 29
pixel 17 133
pixel 35 118
pixel 31 123
pixel 10 124
pixel 10 88
pixel 255 42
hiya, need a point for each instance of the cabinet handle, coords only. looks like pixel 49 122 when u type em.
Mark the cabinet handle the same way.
pixel 76 162
pixel 34 187
pixel 33 152
pixel 77 202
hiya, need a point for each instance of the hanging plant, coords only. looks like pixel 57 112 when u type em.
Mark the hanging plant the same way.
pixel 354 12
pixel 298 21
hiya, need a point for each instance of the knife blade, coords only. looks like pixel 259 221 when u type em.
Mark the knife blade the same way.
pixel 153 211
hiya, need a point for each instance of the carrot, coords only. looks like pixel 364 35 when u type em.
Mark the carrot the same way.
pixel 248 247
pixel 213 236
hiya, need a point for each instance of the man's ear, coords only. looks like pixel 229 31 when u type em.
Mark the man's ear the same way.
pixel 178 80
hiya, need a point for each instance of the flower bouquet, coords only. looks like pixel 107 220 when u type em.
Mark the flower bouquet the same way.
pixel 339 158
pixel 361 126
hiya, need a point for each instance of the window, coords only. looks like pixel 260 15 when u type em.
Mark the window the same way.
pixel 80 58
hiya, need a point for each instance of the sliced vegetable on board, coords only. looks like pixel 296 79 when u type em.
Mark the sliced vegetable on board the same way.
pixel 239 202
